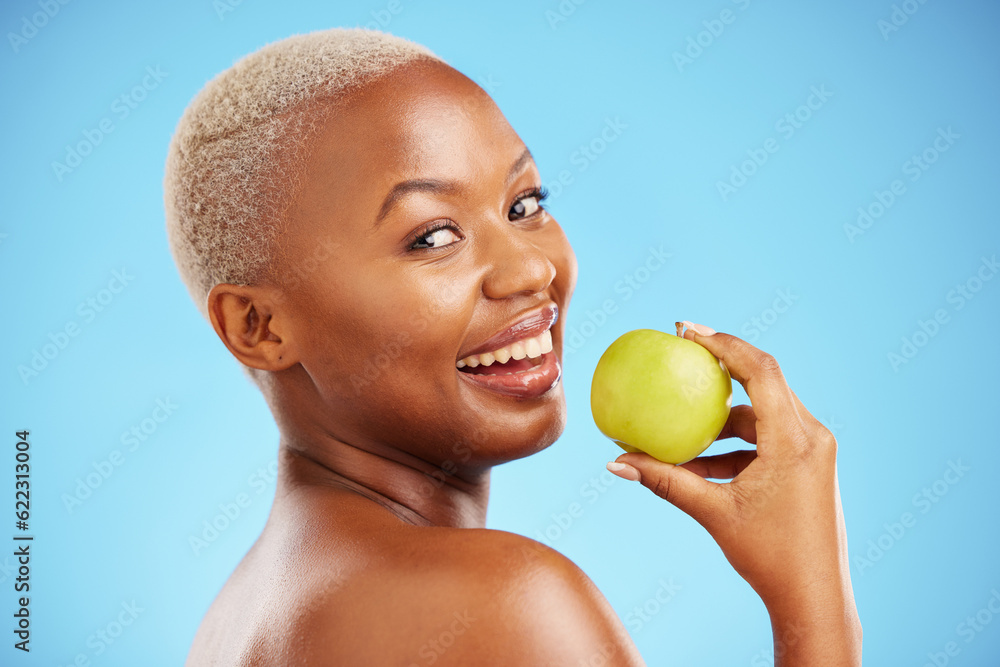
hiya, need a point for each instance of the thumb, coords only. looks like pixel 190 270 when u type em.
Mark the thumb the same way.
pixel 689 492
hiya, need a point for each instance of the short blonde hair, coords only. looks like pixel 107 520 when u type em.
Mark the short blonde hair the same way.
pixel 234 160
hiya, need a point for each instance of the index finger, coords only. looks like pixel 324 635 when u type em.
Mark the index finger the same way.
pixel 756 370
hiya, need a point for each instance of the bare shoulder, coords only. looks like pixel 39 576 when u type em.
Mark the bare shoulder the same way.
pixel 460 596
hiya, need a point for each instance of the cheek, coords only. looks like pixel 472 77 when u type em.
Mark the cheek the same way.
pixel 436 300
pixel 386 330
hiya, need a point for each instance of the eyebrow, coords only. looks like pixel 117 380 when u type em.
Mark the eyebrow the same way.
pixel 438 186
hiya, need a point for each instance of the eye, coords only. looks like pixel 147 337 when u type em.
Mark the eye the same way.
pixel 435 236
pixel 528 204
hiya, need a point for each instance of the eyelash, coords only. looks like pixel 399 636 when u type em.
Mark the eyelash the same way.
pixel 427 231
pixel 538 193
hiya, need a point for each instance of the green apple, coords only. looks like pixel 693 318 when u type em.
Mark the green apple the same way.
pixel 660 394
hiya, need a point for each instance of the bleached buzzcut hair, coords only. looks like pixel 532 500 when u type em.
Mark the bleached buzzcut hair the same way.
pixel 235 158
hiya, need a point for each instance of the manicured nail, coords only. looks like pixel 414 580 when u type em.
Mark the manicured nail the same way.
pixel 699 329
pixel 623 470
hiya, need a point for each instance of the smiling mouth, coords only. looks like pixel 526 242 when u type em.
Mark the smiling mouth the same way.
pixel 511 367
pixel 534 378
pixel 519 356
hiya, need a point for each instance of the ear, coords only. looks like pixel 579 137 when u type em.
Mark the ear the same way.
pixel 247 320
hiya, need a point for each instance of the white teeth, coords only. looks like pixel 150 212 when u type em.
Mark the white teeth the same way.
pixel 530 347
pixel 546 341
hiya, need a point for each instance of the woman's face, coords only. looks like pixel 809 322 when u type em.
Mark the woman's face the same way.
pixel 388 287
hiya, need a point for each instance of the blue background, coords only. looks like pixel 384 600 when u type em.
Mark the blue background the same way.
pixel 559 78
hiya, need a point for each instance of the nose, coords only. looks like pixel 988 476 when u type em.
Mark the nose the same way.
pixel 517 266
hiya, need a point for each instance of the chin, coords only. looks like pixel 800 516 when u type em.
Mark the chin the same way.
pixel 539 435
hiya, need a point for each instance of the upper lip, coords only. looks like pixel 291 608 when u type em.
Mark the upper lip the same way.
pixel 526 326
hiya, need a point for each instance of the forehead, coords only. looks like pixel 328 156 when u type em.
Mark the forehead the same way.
pixel 422 120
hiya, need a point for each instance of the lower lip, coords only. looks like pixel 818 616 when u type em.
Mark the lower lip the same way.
pixel 530 383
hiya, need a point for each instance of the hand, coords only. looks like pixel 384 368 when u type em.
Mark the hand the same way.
pixel 779 521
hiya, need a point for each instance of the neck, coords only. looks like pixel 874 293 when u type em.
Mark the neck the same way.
pixel 417 491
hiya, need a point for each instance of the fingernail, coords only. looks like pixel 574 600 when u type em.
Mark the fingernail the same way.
pixel 623 470
pixel 699 329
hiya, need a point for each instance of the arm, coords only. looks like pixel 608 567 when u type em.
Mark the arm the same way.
pixel 779 522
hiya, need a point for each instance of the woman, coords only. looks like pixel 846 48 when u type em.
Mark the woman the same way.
pixel 365 233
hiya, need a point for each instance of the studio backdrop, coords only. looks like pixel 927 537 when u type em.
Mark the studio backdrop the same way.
pixel 819 179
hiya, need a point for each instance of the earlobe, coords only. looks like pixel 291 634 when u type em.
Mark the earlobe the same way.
pixel 245 320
